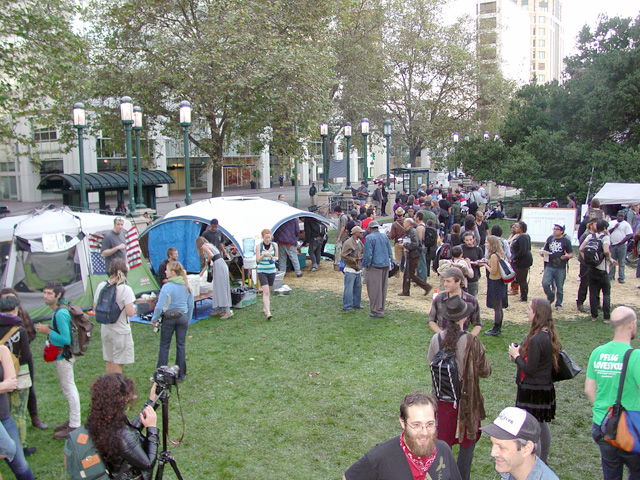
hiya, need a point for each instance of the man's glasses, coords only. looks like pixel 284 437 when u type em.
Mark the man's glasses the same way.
pixel 417 427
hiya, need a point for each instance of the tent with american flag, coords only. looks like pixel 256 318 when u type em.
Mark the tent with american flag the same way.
pixel 55 243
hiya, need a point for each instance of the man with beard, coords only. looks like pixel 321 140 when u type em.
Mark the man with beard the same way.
pixel 415 454
pixel 601 386
pixel 514 435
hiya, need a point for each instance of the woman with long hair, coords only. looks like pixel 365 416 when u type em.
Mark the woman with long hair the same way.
pixel 175 306
pixel 117 341
pixel 221 293
pixel 497 297
pixel 32 404
pixel 536 358
pixel 459 422
pixel 125 452
pixel 266 258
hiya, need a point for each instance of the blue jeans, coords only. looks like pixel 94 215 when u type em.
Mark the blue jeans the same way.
pixel 19 466
pixel 619 253
pixel 553 283
pixel 179 326
pixel 352 290
pixel 613 459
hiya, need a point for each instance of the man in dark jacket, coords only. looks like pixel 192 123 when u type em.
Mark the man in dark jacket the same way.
pixel 412 249
pixel 286 237
pixel 417 449
pixel 522 259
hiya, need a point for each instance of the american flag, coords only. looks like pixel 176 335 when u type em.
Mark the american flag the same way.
pixel 134 256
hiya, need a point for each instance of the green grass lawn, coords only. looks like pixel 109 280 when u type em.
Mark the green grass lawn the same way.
pixel 305 395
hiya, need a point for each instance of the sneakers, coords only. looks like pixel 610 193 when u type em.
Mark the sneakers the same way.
pixel 299 274
pixel 63 434
pixel 28 451
pixel 229 314
pixel 558 308
pixel 314 269
pixel 581 308
pixel 492 333
pixel 620 280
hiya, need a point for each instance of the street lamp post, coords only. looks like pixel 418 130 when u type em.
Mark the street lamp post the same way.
pixel 137 128
pixel 387 135
pixel 347 135
pixel 185 123
pixel 486 135
pixel 324 132
pixel 364 128
pixel 79 123
pixel 126 115
pixel 456 138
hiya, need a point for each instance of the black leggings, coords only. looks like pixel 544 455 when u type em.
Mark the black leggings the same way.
pixel 498 314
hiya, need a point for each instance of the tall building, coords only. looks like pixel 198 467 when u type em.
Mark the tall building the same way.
pixel 524 38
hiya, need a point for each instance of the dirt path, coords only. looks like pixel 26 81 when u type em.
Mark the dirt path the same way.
pixel 327 279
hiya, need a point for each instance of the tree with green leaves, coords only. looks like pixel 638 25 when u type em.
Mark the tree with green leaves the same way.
pixel 40 61
pixel 243 65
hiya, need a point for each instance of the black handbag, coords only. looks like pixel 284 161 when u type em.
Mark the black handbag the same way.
pixel 172 314
pixel 567 368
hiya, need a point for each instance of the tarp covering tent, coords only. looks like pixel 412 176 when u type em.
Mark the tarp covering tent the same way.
pixel 239 218
pixel 619 193
pixel 58 244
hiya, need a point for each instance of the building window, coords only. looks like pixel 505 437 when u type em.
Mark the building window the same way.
pixel 542 78
pixel 541 42
pixel 488 23
pixel 541 55
pixel 542 19
pixel 541 66
pixel 542 31
pixel 488 7
pixel 45 134
pixel 543 6
pixel 534 30
pixel 525 4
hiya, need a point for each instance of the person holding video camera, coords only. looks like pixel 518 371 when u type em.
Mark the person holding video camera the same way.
pixel 125 451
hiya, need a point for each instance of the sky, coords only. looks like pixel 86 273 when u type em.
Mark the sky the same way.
pixel 577 13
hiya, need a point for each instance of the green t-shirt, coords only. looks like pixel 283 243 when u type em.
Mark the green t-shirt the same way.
pixel 605 366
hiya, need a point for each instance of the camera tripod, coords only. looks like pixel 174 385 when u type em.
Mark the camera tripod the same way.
pixel 165 455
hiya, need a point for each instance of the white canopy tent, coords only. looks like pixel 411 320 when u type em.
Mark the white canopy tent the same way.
pixel 619 193
pixel 239 219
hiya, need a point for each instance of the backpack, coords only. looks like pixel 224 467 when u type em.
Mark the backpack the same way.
pixel 81 457
pixel 444 375
pixel 107 310
pixel 81 328
pixel 430 238
pixel 593 251
pixel 4 340
pixel 442 253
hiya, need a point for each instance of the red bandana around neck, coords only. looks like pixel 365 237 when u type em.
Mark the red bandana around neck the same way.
pixel 422 464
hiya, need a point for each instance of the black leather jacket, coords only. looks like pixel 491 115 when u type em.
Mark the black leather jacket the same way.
pixel 137 453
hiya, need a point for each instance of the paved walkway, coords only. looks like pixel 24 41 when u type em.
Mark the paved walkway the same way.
pixel 167 204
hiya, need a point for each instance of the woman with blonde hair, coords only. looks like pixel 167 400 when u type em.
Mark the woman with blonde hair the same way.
pixel 117 342
pixel 266 258
pixel 497 297
pixel 176 296
pixel 221 293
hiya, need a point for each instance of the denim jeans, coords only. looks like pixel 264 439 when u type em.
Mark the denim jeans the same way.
pixel 613 459
pixel 352 290
pixel 553 283
pixel 290 251
pixel 619 253
pixel 18 463
pixel 179 326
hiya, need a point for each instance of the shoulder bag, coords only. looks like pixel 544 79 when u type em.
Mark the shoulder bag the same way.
pixel 621 428
pixel 567 368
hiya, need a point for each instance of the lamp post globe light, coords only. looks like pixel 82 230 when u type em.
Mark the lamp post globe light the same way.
pixel 496 137
pixel 456 139
pixel 347 134
pixel 364 128
pixel 387 135
pixel 324 133
pixel 137 127
pixel 185 123
pixel 79 123
pixel 126 115
pixel 486 135
pixel 466 137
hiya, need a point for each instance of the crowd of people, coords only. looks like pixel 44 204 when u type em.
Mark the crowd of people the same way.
pixel 431 424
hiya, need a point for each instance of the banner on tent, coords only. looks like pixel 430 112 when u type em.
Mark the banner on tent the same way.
pixel 134 256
